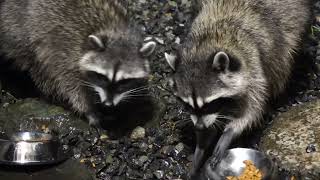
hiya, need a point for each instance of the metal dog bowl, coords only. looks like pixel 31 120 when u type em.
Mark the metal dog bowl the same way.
pixel 232 165
pixel 31 148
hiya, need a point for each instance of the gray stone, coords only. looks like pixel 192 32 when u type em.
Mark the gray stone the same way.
pixel 291 136
pixel 143 159
pixel 36 115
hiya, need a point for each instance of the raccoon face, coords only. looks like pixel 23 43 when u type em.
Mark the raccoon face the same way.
pixel 116 71
pixel 211 88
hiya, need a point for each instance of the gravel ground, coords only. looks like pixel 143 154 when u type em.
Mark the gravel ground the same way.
pixel 164 149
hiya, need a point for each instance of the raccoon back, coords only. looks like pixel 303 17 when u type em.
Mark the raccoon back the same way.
pixel 273 28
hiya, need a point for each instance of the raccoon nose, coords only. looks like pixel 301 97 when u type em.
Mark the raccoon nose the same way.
pixel 108 103
pixel 199 126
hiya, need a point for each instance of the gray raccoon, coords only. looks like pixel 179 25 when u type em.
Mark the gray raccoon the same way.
pixel 238 54
pixel 82 52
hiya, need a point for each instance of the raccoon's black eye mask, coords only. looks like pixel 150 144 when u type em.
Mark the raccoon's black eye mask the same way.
pixel 215 105
pixel 127 84
pixel 97 78
pixel 211 107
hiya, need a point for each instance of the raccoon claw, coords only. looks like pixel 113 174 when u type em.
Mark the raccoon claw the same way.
pixel 204 141
pixel 213 162
pixel 218 154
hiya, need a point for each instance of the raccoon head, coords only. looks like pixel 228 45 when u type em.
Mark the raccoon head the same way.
pixel 210 86
pixel 116 69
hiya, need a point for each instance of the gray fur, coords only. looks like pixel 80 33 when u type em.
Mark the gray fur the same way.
pixel 52 39
pixel 260 38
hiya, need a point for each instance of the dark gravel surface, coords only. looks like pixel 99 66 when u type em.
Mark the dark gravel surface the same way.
pixel 165 150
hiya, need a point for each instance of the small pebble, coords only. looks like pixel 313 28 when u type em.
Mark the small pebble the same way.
pixel 143 159
pixel 179 147
pixel 159 174
pixel 160 41
pixel 311 148
pixel 138 133
pixel 104 137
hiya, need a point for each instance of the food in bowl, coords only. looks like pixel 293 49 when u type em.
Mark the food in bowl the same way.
pixel 249 173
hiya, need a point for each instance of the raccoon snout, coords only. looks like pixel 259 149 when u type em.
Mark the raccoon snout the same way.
pixel 108 103
pixel 199 126
pixel 198 123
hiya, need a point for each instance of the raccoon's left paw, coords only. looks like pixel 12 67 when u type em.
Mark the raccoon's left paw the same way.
pixel 215 159
pixel 94 120
pixel 218 154
pixel 221 147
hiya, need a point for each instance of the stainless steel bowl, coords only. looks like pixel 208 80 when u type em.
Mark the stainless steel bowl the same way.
pixel 31 148
pixel 232 165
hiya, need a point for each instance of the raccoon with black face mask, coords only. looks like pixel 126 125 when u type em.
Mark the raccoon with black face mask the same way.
pixel 238 54
pixel 82 52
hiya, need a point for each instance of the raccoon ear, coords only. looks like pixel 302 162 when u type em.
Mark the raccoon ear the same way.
pixel 148 48
pixel 221 61
pixel 171 60
pixel 96 42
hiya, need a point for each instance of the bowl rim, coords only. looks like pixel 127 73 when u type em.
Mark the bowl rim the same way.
pixel 49 137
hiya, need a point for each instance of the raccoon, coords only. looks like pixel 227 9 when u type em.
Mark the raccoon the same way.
pixel 238 54
pixel 82 52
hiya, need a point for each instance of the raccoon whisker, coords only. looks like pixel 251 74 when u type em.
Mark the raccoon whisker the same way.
pixel 127 93
pixel 181 123
pixel 225 117
pixel 85 82
pixel 87 85
pixel 183 120
pixel 221 122
pixel 124 98
pixel 137 95
pixel 141 87
pixel 129 98
pixel 136 90
pixel 216 126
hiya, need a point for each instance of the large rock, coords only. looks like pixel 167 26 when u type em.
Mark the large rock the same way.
pixel 33 114
pixel 294 140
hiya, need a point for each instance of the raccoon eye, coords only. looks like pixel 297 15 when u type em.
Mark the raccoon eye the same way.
pixel 96 77
pixel 186 106
pixel 215 105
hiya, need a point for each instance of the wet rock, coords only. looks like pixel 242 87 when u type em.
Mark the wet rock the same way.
pixel 138 133
pixel 294 139
pixel 33 114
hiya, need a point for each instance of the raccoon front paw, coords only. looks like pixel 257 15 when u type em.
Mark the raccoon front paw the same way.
pixel 94 120
pixel 215 159
pixel 221 147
